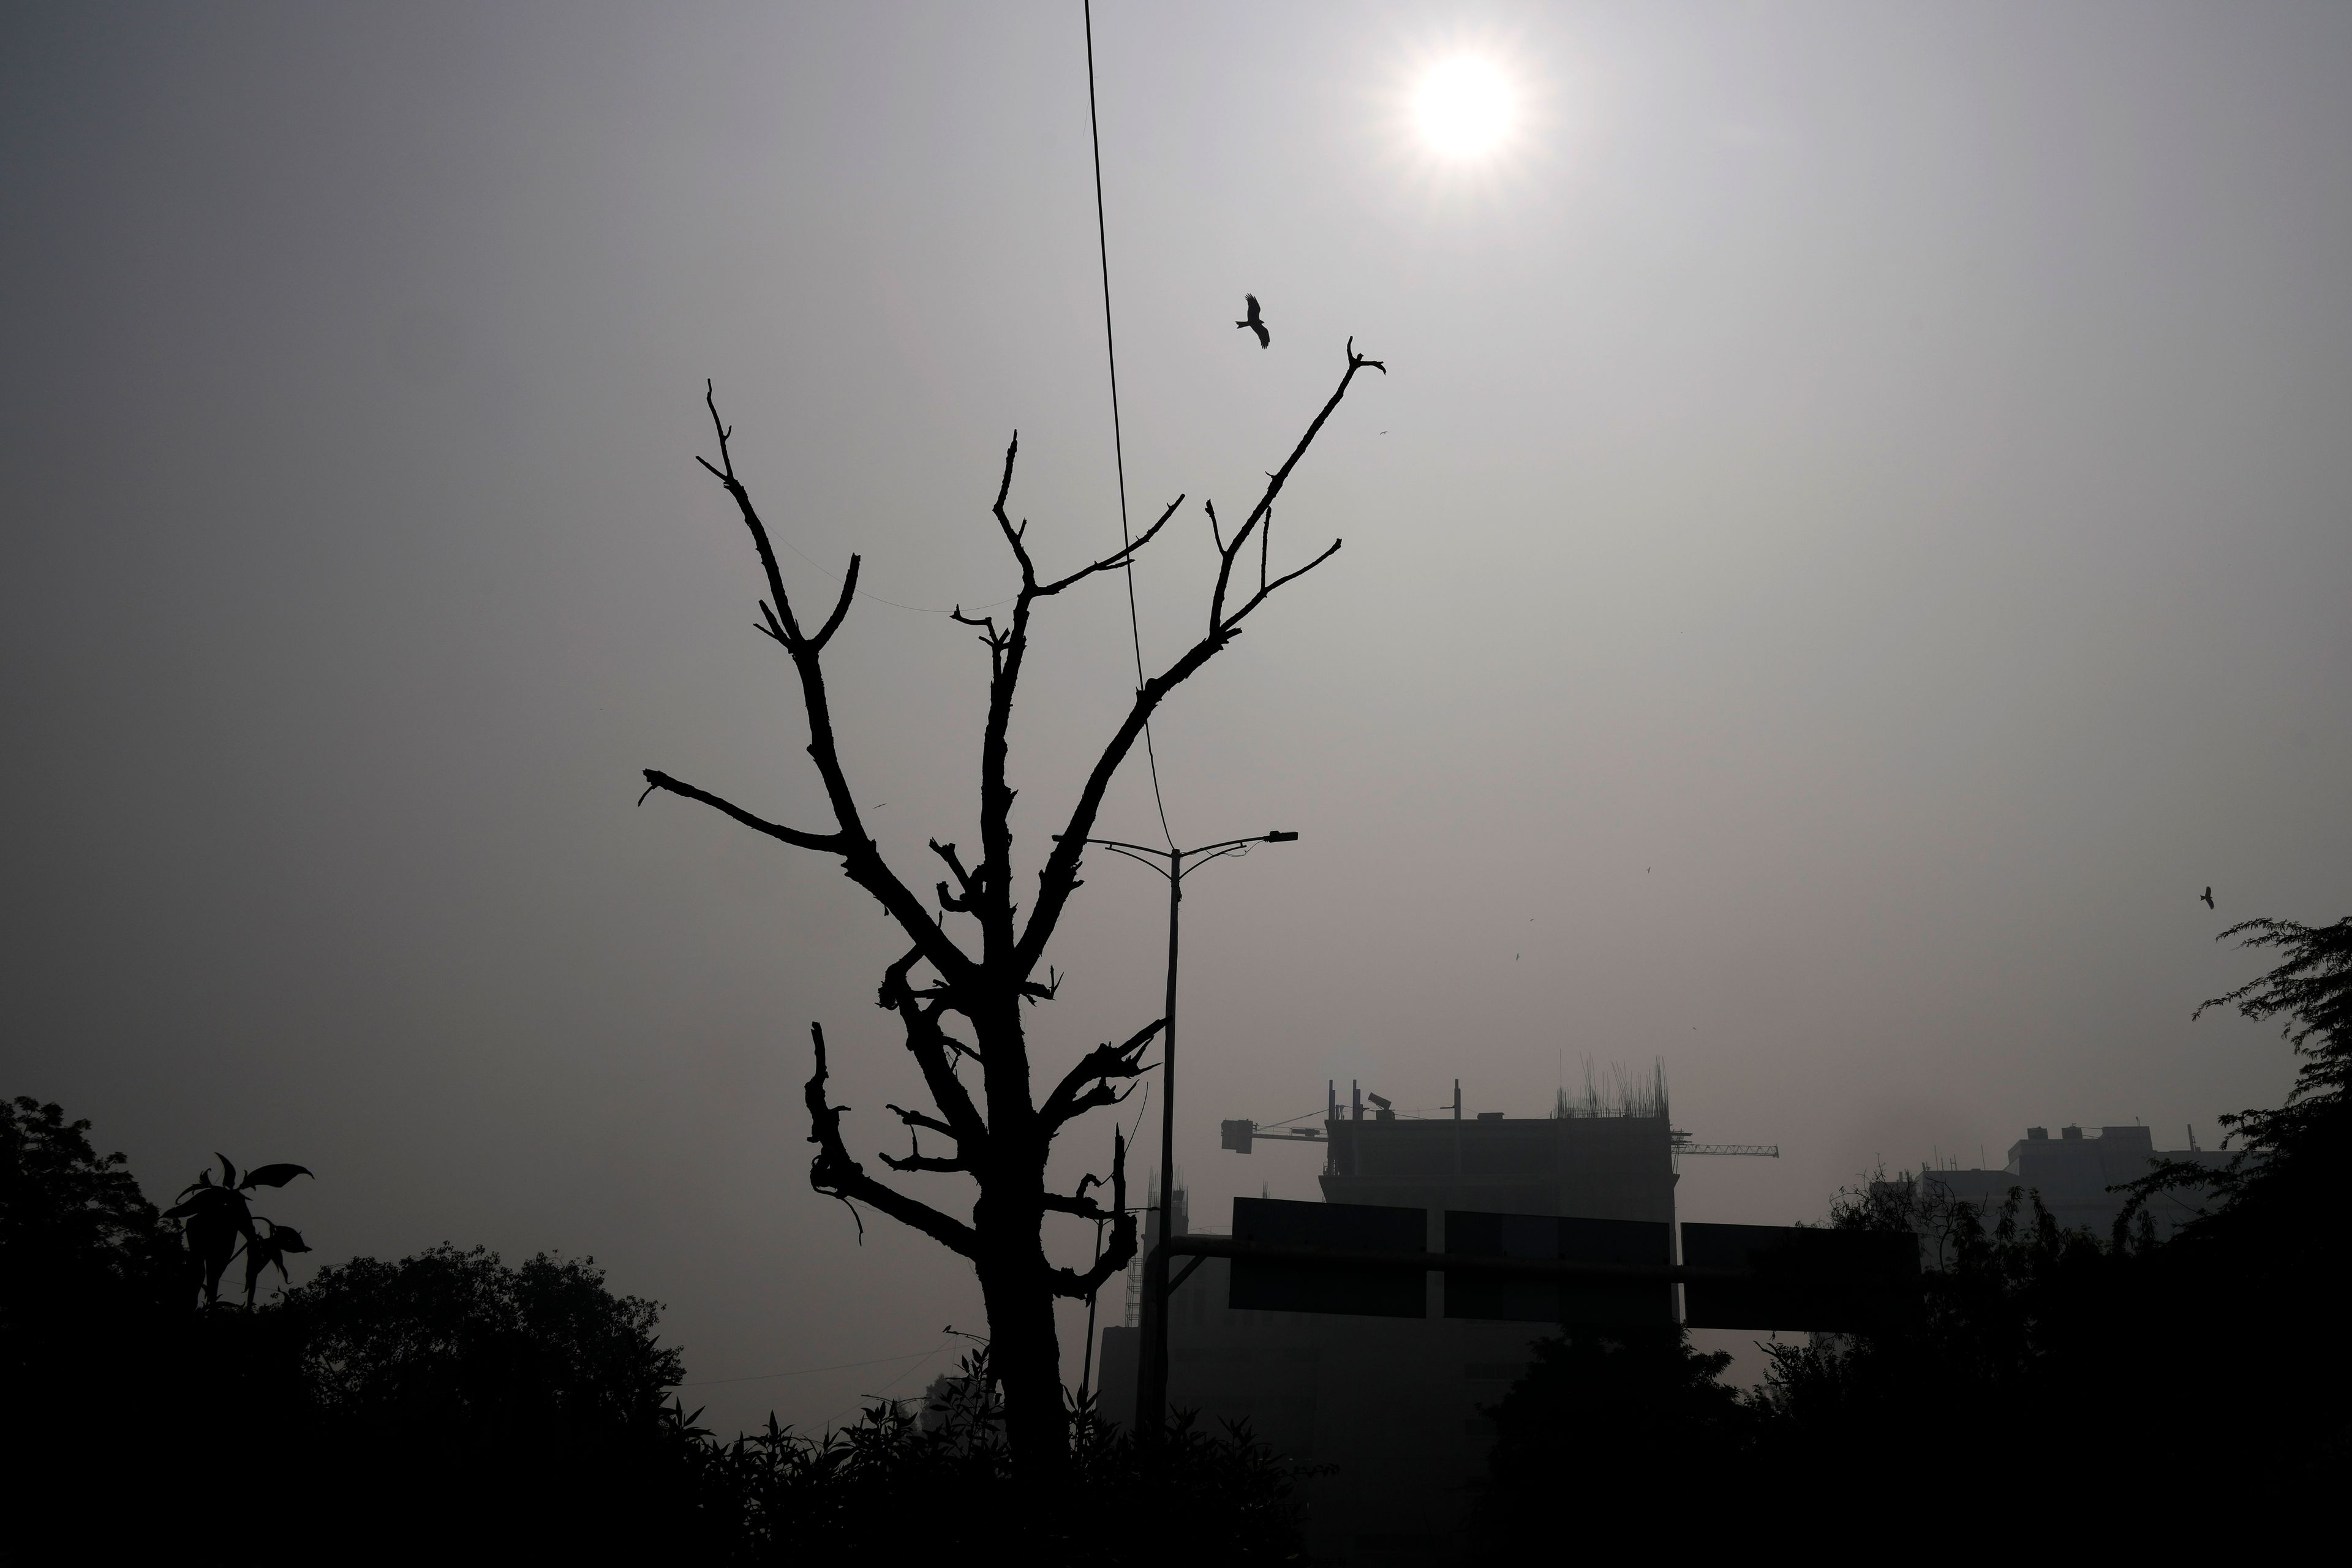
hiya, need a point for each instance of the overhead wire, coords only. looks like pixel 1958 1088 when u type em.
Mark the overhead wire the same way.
pixel 881 1396
pixel 1134 622
pixel 1117 441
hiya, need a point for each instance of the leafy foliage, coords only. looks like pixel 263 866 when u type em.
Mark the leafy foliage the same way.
pixel 1620 1413
pixel 72 1223
pixel 2289 1155
pixel 217 1220
pixel 783 1494
pixel 451 1404
pixel 457 1343
pixel 2012 1312
pixel 92 1318
pixel 86 1260
pixel 2108 1361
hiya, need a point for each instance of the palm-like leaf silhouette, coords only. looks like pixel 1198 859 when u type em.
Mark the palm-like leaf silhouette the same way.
pixel 217 1217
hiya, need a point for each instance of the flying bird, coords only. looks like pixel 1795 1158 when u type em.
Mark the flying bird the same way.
pixel 2208 895
pixel 1256 323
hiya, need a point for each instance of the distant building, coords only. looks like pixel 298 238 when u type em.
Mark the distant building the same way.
pixel 2073 1172
pixel 1398 1404
pixel 1617 1166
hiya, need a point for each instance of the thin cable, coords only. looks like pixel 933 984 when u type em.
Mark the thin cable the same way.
pixel 831 1421
pixel 1118 444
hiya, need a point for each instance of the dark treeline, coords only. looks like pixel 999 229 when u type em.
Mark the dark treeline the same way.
pixel 452 1404
pixel 2044 1377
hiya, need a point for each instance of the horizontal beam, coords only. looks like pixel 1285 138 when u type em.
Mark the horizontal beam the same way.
pixel 1443 1262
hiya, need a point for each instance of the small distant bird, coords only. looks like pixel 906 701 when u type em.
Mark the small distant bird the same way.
pixel 2208 895
pixel 1256 322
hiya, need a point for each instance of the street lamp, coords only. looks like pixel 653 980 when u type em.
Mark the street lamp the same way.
pixel 1152 1391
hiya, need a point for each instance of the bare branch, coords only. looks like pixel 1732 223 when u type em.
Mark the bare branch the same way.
pixel 840 607
pixel 949 901
pixel 990 638
pixel 990 901
pixel 1117 558
pixel 1059 877
pixel 825 843
pixel 725 474
pixel 933 1049
pixel 1069 1282
pixel 1275 482
pixel 917 1119
pixel 1011 535
pixel 862 861
pixel 947 852
pixel 1260 597
pixel 1072 1097
pixel 836 1175
pixel 919 1161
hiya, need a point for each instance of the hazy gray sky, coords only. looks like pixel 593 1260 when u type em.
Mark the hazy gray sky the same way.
pixel 1856 536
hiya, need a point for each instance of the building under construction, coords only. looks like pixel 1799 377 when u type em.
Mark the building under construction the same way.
pixel 1398 1404
pixel 1597 1156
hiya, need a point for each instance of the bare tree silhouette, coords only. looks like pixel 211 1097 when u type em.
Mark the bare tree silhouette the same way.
pixel 1001 1138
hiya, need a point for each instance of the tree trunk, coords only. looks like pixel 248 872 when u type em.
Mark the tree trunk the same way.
pixel 1024 1352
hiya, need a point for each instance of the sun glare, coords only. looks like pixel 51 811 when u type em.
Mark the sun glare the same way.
pixel 1464 106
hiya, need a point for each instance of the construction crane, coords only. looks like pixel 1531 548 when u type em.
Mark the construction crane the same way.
pixel 1238 1136
pixel 1683 1145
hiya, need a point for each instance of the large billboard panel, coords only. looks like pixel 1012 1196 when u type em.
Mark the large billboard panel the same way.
pixel 1595 1303
pixel 1356 1291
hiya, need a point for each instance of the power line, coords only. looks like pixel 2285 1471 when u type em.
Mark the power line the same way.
pixel 1117 444
pixel 832 1421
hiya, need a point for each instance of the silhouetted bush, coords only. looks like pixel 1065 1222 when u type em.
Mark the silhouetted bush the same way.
pixel 92 1284
pixel 2056 1376
pixel 1605 1429
pixel 898 1482
pixel 453 1406
pixel 525 1401
pixel 460 1344
pixel 2209 1359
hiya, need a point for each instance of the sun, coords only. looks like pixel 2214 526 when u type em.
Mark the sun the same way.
pixel 1465 107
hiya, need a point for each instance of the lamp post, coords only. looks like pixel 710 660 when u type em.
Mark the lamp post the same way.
pixel 1151 1382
